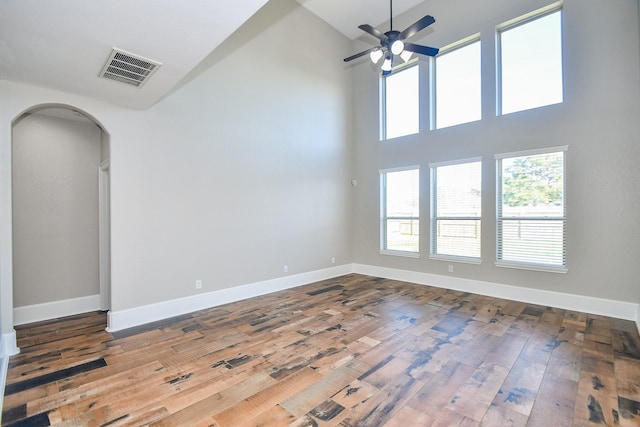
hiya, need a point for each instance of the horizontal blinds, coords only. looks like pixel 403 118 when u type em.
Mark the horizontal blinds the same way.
pixel 401 210
pixel 531 210
pixel 458 237
pixel 403 193
pixel 456 209
pixel 403 235
pixel 402 103
pixel 532 241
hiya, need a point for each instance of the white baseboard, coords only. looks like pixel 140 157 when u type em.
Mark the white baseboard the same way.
pixel 123 319
pixel 55 309
pixel 4 367
pixel 604 307
pixel 8 346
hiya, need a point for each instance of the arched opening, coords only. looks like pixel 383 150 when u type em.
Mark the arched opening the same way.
pixel 60 214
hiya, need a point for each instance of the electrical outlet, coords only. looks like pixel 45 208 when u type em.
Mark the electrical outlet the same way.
pixel 333 260
pixel 450 268
pixel 286 268
pixel 198 284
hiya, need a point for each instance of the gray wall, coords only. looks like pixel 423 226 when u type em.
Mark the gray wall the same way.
pixel 55 209
pixel 598 121
pixel 242 170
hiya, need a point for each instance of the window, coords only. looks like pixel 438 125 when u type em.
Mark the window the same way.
pixel 401 103
pixel 458 94
pixel 456 209
pixel 400 211
pixel 531 210
pixel 531 62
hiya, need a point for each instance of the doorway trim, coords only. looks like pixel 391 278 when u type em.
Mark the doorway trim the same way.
pixel 104 218
pixel 8 340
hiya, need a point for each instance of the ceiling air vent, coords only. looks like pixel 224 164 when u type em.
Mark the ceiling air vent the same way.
pixel 125 67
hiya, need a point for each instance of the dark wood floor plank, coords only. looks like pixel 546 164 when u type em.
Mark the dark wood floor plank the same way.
pixel 61 374
pixel 39 420
pixel 349 351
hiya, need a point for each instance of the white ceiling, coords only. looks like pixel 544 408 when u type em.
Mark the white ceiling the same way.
pixel 346 15
pixel 63 44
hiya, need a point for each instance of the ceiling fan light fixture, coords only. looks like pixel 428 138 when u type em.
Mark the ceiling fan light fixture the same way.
pixel 406 55
pixel 376 55
pixel 386 65
pixel 392 43
pixel 397 47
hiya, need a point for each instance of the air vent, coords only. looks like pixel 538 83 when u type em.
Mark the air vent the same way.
pixel 128 68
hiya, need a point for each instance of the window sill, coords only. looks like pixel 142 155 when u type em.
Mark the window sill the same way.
pixel 533 267
pixel 453 258
pixel 400 253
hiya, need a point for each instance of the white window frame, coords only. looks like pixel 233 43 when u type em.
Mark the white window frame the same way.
pixel 383 98
pixel 531 265
pixel 434 218
pixel 384 217
pixel 523 20
pixel 461 44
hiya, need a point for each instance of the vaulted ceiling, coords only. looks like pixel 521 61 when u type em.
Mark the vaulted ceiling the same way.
pixel 64 44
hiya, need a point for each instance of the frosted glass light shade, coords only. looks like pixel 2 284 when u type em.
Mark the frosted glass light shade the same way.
pixel 406 55
pixel 397 47
pixel 375 56
pixel 386 65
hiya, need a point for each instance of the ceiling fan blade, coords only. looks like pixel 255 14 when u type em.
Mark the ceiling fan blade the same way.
pixel 422 23
pixel 373 31
pixel 422 50
pixel 358 55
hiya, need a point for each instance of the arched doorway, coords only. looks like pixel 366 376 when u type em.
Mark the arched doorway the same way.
pixel 60 203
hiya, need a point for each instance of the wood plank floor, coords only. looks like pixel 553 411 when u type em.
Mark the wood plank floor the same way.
pixel 351 351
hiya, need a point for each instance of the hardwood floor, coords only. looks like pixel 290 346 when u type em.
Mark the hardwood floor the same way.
pixel 351 351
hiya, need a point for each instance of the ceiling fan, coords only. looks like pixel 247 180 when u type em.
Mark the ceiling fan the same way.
pixel 393 42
